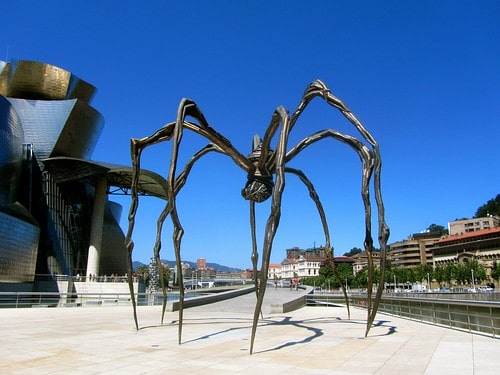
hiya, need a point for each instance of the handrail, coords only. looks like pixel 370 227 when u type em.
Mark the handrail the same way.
pixel 473 316
pixel 60 299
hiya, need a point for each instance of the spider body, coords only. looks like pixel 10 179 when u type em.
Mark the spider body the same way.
pixel 266 168
pixel 260 183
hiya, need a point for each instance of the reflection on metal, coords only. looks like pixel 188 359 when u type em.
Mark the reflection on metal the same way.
pixel 36 80
pixel 266 169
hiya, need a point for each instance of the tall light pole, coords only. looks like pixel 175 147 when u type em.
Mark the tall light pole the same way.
pixel 473 286
pixel 428 282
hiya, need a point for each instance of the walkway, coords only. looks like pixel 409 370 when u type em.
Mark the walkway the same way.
pixel 311 340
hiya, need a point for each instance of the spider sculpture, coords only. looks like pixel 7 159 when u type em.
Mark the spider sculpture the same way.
pixel 265 169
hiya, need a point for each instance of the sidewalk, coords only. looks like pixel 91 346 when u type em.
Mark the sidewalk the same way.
pixel 311 340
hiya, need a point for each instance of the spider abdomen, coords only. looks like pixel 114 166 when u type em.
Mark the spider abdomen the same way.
pixel 258 188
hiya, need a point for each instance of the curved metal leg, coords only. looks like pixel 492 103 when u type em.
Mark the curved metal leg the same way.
pixel 135 151
pixel 329 253
pixel 274 217
pixel 255 254
pixel 157 248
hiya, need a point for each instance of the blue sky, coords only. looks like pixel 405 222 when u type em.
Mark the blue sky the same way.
pixel 423 77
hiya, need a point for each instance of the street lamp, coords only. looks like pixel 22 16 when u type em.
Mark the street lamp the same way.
pixel 473 286
pixel 428 282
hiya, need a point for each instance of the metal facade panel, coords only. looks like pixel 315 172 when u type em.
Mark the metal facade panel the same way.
pixel 4 77
pixel 36 80
pixel 59 127
pixel 42 122
pixel 11 146
pixel 40 81
pixel 80 132
pixel 113 250
pixel 18 249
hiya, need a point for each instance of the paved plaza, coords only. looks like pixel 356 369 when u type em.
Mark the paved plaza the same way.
pixel 216 339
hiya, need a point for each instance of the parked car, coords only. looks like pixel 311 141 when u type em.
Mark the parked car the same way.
pixel 485 289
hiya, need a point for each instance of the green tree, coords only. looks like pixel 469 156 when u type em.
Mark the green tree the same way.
pixel 326 275
pixel 492 207
pixel 437 228
pixel 142 273
pixel 439 274
pixel 353 251
pixel 422 271
pixel 495 271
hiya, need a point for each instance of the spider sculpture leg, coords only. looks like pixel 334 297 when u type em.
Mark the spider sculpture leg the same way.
pixel 255 254
pixel 129 244
pixel 173 131
pixel 371 164
pixel 367 161
pixel 319 206
pixel 280 117
pixel 180 181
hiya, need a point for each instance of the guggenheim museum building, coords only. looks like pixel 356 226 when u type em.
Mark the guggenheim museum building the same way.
pixel 55 216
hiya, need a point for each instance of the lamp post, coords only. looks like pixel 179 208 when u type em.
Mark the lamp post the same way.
pixel 473 286
pixel 428 282
pixel 395 283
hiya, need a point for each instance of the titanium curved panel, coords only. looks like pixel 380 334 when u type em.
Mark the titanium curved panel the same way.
pixel 113 250
pixel 11 148
pixel 80 89
pixel 36 80
pixel 18 249
pixel 80 133
pixel 4 77
pixel 59 127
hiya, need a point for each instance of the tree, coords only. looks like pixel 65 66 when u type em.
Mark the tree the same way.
pixel 437 228
pixel 492 207
pixel 353 251
pixel 326 274
pixel 142 273
pixel 495 271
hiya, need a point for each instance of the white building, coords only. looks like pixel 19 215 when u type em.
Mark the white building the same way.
pixel 274 272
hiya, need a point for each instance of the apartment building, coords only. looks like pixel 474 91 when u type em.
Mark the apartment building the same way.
pixel 472 225
pixel 414 251
pixel 361 261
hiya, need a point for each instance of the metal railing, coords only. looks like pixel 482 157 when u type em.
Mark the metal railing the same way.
pixel 57 299
pixel 472 316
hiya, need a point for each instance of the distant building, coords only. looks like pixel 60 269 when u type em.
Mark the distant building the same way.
pixel 201 263
pixel 274 272
pixel 295 252
pixel 289 268
pixel 308 266
pixel 361 261
pixel 472 225
pixel 481 245
pixel 415 251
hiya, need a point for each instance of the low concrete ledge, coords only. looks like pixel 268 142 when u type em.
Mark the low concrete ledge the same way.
pixel 294 304
pixel 209 298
